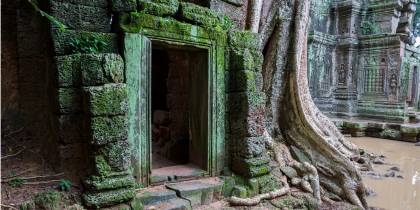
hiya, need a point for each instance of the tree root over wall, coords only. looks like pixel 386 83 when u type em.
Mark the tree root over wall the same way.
pixel 294 116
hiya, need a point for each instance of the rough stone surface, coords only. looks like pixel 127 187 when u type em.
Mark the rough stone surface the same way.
pixel 109 99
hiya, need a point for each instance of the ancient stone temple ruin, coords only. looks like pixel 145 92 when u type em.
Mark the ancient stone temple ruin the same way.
pixel 170 104
pixel 363 67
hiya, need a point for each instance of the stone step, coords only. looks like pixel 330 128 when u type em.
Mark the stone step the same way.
pixel 171 204
pixel 198 192
pixel 155 195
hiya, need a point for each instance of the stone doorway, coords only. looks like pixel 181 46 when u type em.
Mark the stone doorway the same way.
pixel 206 100
pixel 179 112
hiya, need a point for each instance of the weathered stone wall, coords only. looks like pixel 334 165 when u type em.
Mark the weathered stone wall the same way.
pixel 27 82
pixel 9 62
pixel 355 59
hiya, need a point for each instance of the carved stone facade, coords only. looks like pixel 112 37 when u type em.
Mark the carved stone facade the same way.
pixel 361 63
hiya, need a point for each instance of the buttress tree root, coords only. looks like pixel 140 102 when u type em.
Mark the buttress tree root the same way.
pixel 293 115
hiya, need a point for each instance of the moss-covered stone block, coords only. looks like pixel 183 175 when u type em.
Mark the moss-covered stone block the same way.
pixel 81 17
pixel 89 69
pixel 117 155
pixel 69 100
pixel 245 59
pixel 97 183
pixel 248 81
pixel 107 198
pixel 204 17
pixel 109 99
pixel 160 8
pixel 228 185
pixel 62 40
pixel 252 167
pixel 244 39
pixel 102 168
pixel 239 191
pixel 246 102
pixel 136 204
pixel 68 70
pixel 268 183
pixel 99 69
pixel 96 3
pixel 123 5
pixel 105 130
pixel 250 147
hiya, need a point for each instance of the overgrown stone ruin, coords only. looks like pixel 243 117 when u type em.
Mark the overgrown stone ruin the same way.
pixel 363 67
pixel 176 104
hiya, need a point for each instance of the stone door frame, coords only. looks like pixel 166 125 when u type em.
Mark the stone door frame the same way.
pixel 138 76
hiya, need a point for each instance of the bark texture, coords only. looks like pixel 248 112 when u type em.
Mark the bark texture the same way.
pixel 292 116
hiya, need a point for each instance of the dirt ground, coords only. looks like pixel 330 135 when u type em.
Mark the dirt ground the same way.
pixel 24 171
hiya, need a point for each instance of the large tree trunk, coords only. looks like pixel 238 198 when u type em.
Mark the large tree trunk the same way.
pixel 291 111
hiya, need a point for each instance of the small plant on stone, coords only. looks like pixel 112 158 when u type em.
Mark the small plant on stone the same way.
pixel 16 182
pixel 65 185
pixel 87 43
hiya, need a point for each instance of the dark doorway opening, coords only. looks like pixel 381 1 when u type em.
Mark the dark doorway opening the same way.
pixel 179 96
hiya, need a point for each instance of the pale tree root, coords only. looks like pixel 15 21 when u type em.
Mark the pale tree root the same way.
pixel 235 201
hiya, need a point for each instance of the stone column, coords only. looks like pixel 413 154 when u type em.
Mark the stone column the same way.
pixel 246 115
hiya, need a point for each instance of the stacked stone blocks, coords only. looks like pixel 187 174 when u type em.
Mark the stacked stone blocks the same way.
pixel 246 103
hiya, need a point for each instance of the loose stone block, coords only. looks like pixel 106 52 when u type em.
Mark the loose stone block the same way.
pixel 108 198
pixel 109 99
pixel 82 17
pixel 123 5
pixel 204 17
pixel 105 130
pixel 160 7
pixel 69 100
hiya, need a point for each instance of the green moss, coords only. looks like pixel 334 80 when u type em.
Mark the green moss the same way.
pixel 108 129
pixel 239 191
pixel 136 204
pixel 108 198
pixel 228 184
pixel 48 200
pixel 409 130
pixel 109 99
pixel 204 17
pixel 268 183
pixel 160 7
pixel 117 155
pixel 243 39
pixel 68 70
pixel 101 183
pixel 123 5
pixel 103 169
pixel 290 202
pixel 69 100
pixel 28 205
